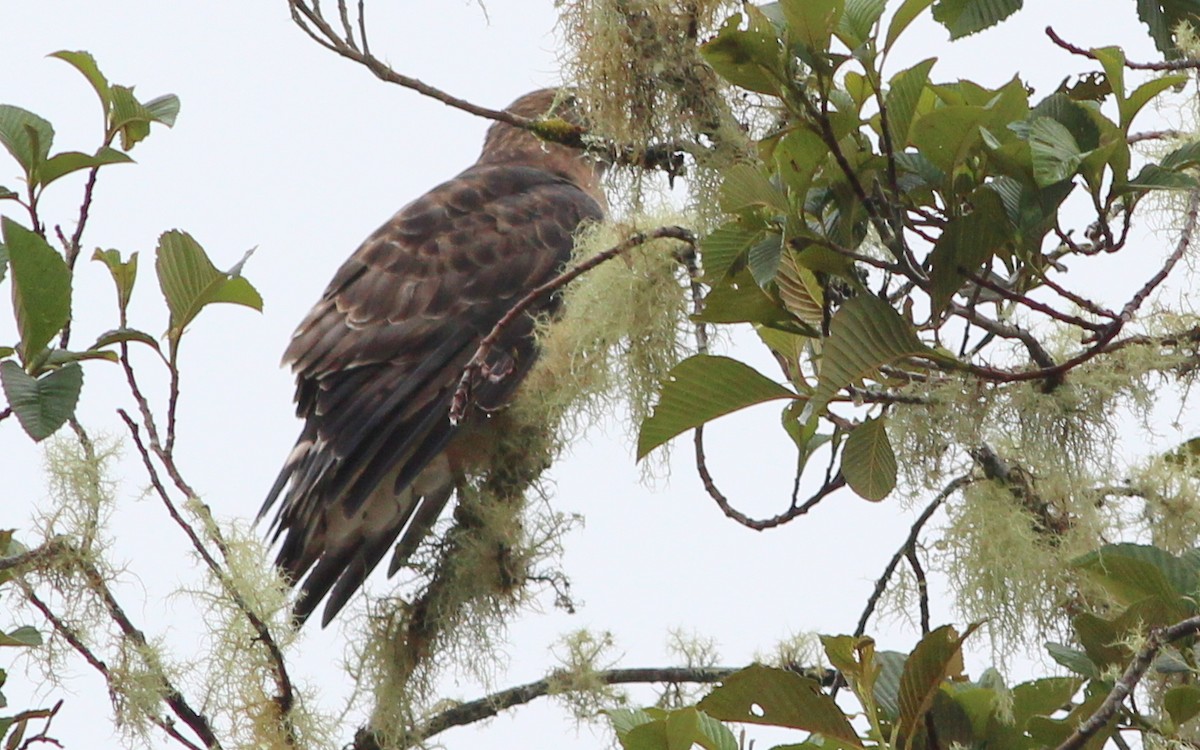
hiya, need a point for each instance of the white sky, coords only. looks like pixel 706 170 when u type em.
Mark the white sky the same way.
pixel 283 146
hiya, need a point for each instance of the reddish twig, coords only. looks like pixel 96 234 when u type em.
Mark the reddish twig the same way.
pixel 475 367
pixel 828 487
pixel 1165 65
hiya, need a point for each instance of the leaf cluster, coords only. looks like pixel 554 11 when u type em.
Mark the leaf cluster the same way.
pixel 42 377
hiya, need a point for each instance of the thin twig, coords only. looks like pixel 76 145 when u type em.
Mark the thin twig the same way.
pixel 478 362
pixel 1165 65
pixel 1033 304
pixel 831 485
pixel 1155 640
pixel 285 696
pixel 67 633
pixel 922 585
pixel 914 534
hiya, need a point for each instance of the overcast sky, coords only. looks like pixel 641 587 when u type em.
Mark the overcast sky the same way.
pixel 282 146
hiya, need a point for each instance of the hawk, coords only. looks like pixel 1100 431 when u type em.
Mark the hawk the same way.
pixel 378 359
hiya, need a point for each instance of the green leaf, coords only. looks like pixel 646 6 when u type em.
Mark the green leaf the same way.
pixel 967 245
pixel 41 287
pixel 1182 703
pixel 904 91
pixel 124 272
pixel 741 300
pixel 858 20
pixel 1073 659
pixel 1042 697
pixel 73 161
pixel 698 390
pixel 777 697
pixel 625 720
pixel 6 194
pixel 1132 572
pixel 1056 155
pixel 948 134
pixel 722 248
pixel 763 259
pixel 964 17
pixel 744 186
pixel 42 404
pixel 936 658
pixel 905 15
pixel 1154 177
pixel 798 156
pixel 799 290
pixel 27 137
pixel 1185 156
pixel 132 119
pixel 86 64
pixel 1142 95
pixel 868 461
pixel 812 22
pixel 189 281
pixel 864 334
pixel 120 335
pixel 25 635
pixel 750 58
pixel 887 683
pixel 712 734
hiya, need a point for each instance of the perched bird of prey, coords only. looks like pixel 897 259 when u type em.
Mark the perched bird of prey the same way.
pixel 378 359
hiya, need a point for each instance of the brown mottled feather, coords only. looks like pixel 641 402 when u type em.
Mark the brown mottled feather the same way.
pixel 378 358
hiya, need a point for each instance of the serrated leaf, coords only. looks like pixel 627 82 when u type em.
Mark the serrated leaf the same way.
pixel 799 290
pixel 964 17
pixel 905 15
pixel 73 161
pixel 1132 572
pixel 868 461
pixel 798 156
pixel 721 249
pixel 163 109
pixel 858 20
pixel 1154 177
pixel 904 91
pixel 6 194
pixel 1056 154
pixel 967 245
pixel 698 390
pixel 741 300
pixel 41 287
pixel 713 735
pixel 936 658
pixel 25 636
pixel 864 334
pixel 189 281
pixel 26 136
pixel 1187 155
pixel 86 64
pixel 763 259
pixel 744 186
pixel 63 356
pixel 1182 703
pixel 44 404
pixel 777 697
pixel 1073 659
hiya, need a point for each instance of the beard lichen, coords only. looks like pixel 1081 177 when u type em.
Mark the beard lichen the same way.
pixel 1010 538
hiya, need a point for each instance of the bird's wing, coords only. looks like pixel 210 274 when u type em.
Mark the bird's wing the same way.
pixel 378 360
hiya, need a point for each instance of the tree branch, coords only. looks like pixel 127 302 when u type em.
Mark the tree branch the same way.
pixel 1129 680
